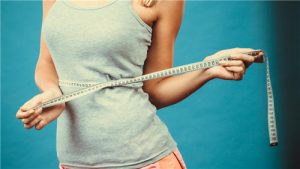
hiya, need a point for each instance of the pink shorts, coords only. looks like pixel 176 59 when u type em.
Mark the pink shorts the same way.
pixel 172 161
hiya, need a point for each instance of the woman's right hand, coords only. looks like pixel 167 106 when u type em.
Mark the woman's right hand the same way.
pixel 40 117
pixel 235 68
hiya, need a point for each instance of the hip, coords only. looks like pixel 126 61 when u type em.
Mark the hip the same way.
pixel 172 161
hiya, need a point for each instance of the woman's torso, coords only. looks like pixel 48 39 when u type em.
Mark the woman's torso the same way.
pixel 114 127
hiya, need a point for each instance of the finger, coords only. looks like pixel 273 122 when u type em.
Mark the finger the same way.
pixel 32 117
pixel 259 58
pixel 243 57
pixel 261 53
pixel 25 110
pixel 236 69
pixel 232 63
pixel 36 100
pixel 21 114
pixel 243 50
pixel 238 76
pixel 40 125
pixel 33 122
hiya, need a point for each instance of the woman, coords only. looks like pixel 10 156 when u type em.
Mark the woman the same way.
pixel 84 42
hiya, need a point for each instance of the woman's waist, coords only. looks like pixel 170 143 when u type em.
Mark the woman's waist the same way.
pixel 122 105
pixel 130 96
pixel 104 79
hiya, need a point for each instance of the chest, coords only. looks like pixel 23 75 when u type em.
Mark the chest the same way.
pixel 147 14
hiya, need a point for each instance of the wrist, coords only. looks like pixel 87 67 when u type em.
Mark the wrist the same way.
pixel 55 90
pixel 207 74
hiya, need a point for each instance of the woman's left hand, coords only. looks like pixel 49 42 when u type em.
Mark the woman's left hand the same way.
pixel 234 69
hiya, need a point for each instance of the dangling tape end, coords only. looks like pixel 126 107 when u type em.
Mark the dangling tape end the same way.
pixel 274 144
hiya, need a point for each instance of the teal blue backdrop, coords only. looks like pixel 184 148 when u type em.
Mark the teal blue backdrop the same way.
pixel 222 125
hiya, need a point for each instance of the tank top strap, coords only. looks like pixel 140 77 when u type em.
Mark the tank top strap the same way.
pixel 137 17
pixel 128 5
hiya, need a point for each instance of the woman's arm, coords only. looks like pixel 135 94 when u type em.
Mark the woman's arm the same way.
pixel 46 80
pixel 45 73
pixel 170 90
pixel 46 77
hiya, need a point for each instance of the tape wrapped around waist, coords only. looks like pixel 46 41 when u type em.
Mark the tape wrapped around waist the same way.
pixel 81 84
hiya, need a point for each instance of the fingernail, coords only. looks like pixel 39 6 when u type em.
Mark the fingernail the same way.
pixel 23 108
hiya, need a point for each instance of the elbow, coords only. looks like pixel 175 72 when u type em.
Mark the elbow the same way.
pixel 39 76
pixel 37 82
pixel 155 99
pixel 159 101
pixel 148 89
pixel 36 77
pixel 156 96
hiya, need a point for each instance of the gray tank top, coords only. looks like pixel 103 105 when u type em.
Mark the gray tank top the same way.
pixel 115 127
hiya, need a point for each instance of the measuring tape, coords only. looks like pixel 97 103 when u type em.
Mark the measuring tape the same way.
pixel 168 72
pixel 271 110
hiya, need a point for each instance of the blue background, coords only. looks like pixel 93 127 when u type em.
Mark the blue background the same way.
pixel 222 125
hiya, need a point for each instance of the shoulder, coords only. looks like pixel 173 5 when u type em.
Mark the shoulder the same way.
pixel 169 15
pixel 47 4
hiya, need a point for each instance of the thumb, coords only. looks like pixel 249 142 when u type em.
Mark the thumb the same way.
pixel 36 100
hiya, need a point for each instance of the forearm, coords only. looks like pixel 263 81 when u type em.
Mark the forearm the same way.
pixel 173 89
pixel 46 76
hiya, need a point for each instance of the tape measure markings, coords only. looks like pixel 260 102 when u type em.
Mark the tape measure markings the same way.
pixel 271 110
pixel 92 87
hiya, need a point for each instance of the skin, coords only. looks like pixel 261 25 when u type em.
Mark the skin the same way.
pixel 165 18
